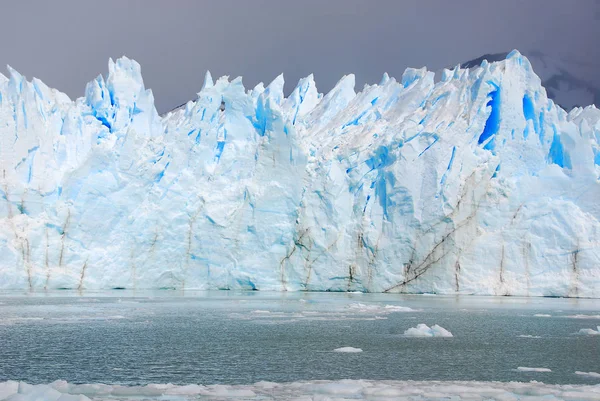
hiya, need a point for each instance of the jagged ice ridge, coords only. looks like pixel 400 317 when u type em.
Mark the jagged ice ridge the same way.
pixel 475 184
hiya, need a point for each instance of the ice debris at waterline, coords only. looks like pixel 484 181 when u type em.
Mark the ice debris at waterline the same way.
pixel 538 370
pixel 349 350
pixel 589 332
pixel 361 308
pixel 581 316
pixel 422 330
pixel 330 390
pixel 476 184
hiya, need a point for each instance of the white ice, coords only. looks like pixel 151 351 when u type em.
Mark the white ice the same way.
pixel 590 332
pixel 378 309
pixel 422 330
pixel 310 390
pixel 476 184
pixel 582 316
pixel 540 370
pixel 348 350
pixel 346 312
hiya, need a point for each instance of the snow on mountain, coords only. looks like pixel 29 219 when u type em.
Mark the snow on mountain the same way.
pixel 475 184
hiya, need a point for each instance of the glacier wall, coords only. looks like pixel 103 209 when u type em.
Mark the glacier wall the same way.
pixel 476 184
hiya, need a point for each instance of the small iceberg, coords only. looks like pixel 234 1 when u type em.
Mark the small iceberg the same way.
pixel 422 330
pixel 589 332
pixel 525 369
pixel 348 350
pixel 588 374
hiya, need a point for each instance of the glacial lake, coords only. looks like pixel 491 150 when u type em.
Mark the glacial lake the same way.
pixel 127 338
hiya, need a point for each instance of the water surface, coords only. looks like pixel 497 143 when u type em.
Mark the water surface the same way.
pixel 128 338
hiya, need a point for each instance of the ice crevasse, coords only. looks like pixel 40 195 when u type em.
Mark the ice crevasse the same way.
pixel 475 184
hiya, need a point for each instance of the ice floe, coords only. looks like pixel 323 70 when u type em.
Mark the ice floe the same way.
pixel 588 374
pixel 422 330
pixel 589 332
pixel 307 390
pixel 584 316
pixel 540 370
pixel 353 311
pixel 378 309
pixel 348 350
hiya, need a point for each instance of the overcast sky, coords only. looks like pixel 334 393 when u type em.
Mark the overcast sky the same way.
pixel 67 43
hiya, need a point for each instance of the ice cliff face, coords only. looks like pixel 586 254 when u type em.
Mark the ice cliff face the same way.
pixel 566 81
pixel 475 184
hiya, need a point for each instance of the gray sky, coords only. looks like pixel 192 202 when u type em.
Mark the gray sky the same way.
pixel 67 43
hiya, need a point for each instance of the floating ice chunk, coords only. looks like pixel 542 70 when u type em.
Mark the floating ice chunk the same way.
pixel 422 330
pixel 588 374
pixel 378 309
pixel 348 349
pixel 439 331
pixel 395 308
pixel 528 336
pixel 542 315
pixel 584 316
pixel 526 369
pixel 590 332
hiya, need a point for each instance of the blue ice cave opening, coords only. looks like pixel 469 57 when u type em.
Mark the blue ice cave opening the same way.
pixel 492 124
pixel 528 111
pixel 557 154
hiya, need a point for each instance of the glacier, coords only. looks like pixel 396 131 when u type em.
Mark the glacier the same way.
pixel 474 184
pixel 567 81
